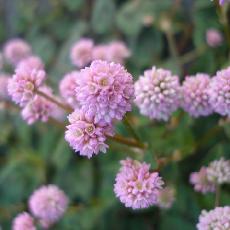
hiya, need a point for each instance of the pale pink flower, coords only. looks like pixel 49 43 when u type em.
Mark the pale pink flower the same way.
pixel 214 38
pixel 200 181
pixel 100 52
pixel 23 84
pixel 136 186
pixel 48 204
pixel 23 221
pixel 32 62
pixel 166 197
pixel 4 78
pixel 81 52
pixel 85 136
pixel 15 50
pixel 67 88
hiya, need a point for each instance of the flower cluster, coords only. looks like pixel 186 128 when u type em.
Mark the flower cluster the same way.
pixel 217 173
pixel 157 93
pixel 201 182
pixel 47 205
pixel 218 218
pixel 85 135
pixel 195 98
pixel 136 186
pixel 214 38
pixel 15 50
pixel 84 51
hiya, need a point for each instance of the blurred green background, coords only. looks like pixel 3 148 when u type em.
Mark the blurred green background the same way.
pixel 165 33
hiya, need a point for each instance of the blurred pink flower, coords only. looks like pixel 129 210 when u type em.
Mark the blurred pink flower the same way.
pixel 4 78
pixel 81 52
pixel 32 62
pixel 100 52
pixel 48 204
pixel 23 221
pixel 214 38
pixel 166 197
pixel 136 186
pixel 15 50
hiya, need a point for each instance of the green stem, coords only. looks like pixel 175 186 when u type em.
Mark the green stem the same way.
pixel 130 128
pixel 217 197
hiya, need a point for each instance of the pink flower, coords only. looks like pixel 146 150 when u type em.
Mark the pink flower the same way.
pixel 4 78
pixel 24 82
pixel 214 38
pixel 32 62
pixel 195 98
pixel 86 136
pixel 100 52
pixel 15 50
pixel 106 90
pixel 39 108
pixel 81 52
pixel 216 219
pixel 48 204
pixel 219 92
pixel 223 1
pixel 117 52
pixel 166 197
pixel 157 93
pixel 1 61
pixel 67 88
pixel 136 186
pixel 23 221
pixel 201 182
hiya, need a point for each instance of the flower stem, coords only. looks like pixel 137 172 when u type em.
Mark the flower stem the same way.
pixel 217 197
pixel 128 141
pixel 130 128
pixel 65 107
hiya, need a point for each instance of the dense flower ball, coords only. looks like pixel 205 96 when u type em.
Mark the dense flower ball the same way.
pixel 117 52
pixel 15 50
pixel 39 108
pixel 213 37
pixel 157 93
pixel 216 219
pixel 166 197
pixel 81 52
pixel 201 182
pixel 218 171
pixel 67 88
pixel 23 221
pixel 195 98
pixel 4 78
pixel 48 204
pixel 32 62
pixel 85 136
pixel 136 186
pixel 106 90
pixel 24 82
pixel 219 92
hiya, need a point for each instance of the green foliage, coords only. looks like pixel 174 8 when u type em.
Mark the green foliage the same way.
pixel 34 155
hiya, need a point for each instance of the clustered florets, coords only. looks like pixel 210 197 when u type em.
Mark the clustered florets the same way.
pixel 136 186
pixel 47 205
pixel 216 219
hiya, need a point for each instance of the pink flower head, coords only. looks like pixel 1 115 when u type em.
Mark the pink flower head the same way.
pixel 86 136
pixel 39 108
pixel 157 93
pixel 195 98
pixel 218 172
pixel 15 50
pixel 223 1
pixel 216 219
pixel 201 182
pixel 117 52
pixel 106 90
pixel 24 82
pixel 32 62
pixel 23 221
pixel 214 38
pixel 81 52
pixel 219 92
pixel 136 186
pixel 48 204
pixel 166 197
pixel 67 88
pixel 4 78
pixel 100 52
